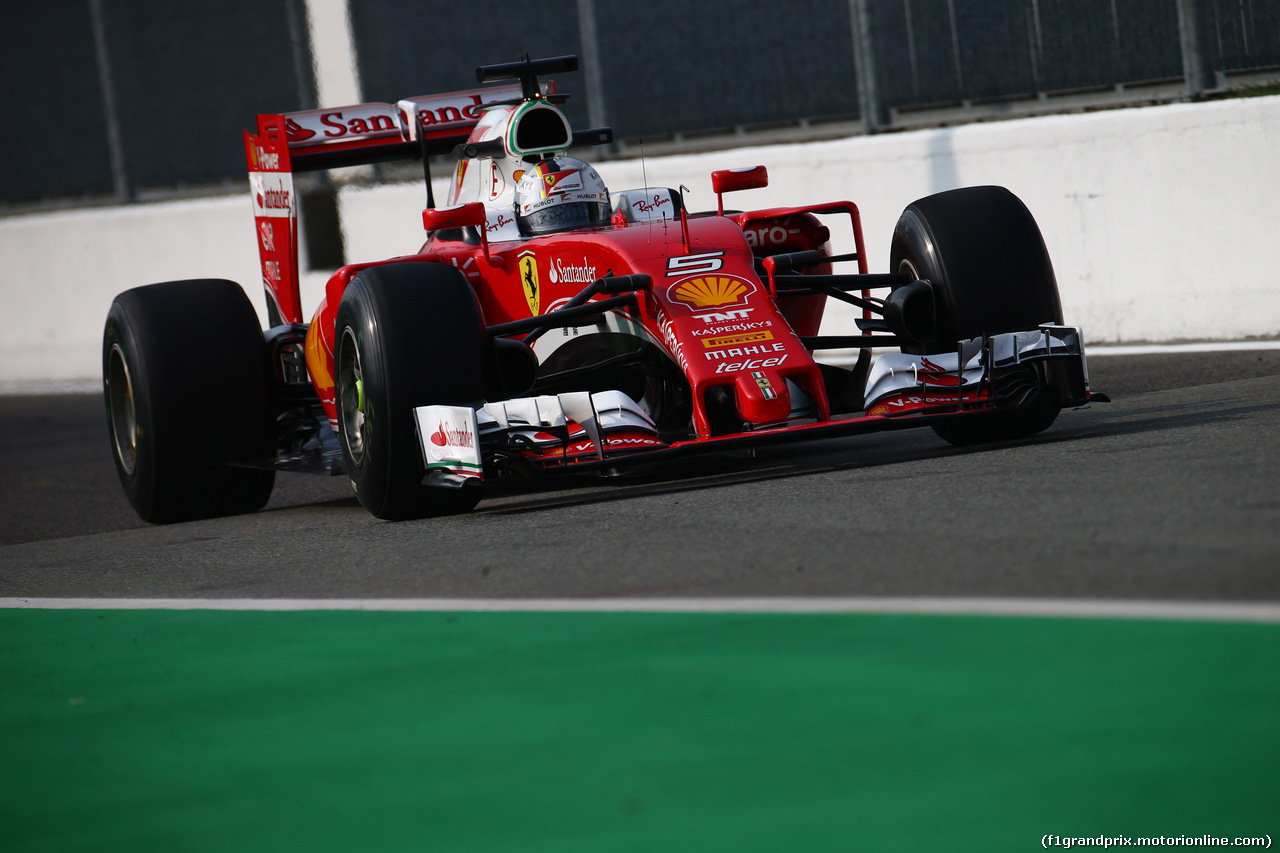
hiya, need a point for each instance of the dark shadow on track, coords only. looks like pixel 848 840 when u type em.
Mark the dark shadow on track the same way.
pixel 59 481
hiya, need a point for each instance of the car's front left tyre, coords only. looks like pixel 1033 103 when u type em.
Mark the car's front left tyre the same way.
pixel 985 259
pixel 187 400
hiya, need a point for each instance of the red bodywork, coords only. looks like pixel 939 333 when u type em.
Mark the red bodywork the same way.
pixel 708 308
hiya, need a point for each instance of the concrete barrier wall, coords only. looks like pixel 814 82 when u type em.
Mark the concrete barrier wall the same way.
pixel 1161 223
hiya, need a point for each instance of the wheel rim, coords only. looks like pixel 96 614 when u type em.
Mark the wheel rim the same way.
pixel 124 418
pixel 351 402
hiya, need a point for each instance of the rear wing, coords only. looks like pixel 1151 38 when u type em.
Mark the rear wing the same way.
pixel 361 134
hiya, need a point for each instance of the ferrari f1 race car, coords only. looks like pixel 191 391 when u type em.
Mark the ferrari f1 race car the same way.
pixel 549 325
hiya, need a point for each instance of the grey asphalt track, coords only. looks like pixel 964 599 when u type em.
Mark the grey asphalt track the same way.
pixel 1170 492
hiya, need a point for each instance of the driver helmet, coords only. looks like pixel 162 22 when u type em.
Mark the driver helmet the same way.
pixel 560 194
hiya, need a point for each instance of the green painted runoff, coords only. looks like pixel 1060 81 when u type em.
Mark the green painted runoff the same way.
pixel 338 730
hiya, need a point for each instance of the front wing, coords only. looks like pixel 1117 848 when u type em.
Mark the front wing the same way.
pixel 581 432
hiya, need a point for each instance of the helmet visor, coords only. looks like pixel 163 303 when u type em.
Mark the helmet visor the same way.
pixel 565 217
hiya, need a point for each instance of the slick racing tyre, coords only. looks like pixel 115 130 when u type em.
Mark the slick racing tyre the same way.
pixel 983 254
pixel 406 335
pixel 186 395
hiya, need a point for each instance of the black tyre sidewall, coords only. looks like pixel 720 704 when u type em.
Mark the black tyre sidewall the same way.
pixel 983 253
pixel 194 353
pixel 419 333
pixel 139 484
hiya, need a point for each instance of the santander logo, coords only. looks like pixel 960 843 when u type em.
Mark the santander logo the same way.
pixel 934 374
pixel 450 436
pixel 296 132
pixel 567 272
pixel 273 199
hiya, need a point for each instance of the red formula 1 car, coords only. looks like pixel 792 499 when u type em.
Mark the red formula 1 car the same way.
pixel 550 325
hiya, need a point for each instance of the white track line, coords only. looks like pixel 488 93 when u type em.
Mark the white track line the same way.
pixel 1165 349
pixel 44 389
pixel 1217 611
pixel 848 357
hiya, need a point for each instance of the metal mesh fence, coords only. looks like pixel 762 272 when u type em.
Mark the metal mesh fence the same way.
pixel 58 143
pixel 1241 34
pixel 672 66
pixel 125 97
pixel 408 49
pixel 119 100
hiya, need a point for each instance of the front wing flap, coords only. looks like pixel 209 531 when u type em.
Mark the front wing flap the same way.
pixel 582 432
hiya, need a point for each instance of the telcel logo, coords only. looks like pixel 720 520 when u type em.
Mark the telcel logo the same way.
pixel 752 364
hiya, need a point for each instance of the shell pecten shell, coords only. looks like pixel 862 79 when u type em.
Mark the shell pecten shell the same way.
pixel 711 291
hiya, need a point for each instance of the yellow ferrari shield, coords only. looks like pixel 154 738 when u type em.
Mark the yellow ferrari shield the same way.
pixel 529 281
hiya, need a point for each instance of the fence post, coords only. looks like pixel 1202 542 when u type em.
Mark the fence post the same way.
pixel 323 32
pixel 872 110
pixel 589 44
pixel 1195 62
pixel 115 146
pixel 333 53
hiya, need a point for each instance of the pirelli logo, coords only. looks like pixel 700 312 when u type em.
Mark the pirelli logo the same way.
pixel 737 340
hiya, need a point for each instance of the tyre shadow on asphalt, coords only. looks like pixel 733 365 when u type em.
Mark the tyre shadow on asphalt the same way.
pixel 1174 416
pixel 775 464
pixel 781 462
pixel 809 458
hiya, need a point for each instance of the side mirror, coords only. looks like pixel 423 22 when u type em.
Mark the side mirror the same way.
pixel 732 180
pixel 471 215
pixel 457 216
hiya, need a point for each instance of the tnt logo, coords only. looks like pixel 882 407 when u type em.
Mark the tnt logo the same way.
pixel 725 316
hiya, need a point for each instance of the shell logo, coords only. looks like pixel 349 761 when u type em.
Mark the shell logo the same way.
pixel 710 291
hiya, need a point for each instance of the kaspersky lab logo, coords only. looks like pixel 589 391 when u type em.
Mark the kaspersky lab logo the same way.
pixel 529 281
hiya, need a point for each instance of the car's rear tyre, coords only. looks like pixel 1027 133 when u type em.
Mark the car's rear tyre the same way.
pixel 186 397
pixel 406 335
pixel 982 252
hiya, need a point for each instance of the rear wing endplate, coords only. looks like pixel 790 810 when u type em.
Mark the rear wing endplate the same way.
pixel 360 134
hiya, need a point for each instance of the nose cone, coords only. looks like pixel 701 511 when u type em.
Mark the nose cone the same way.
pixel 762 396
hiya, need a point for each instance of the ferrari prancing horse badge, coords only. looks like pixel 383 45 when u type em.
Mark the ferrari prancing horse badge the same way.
pixel 529 281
